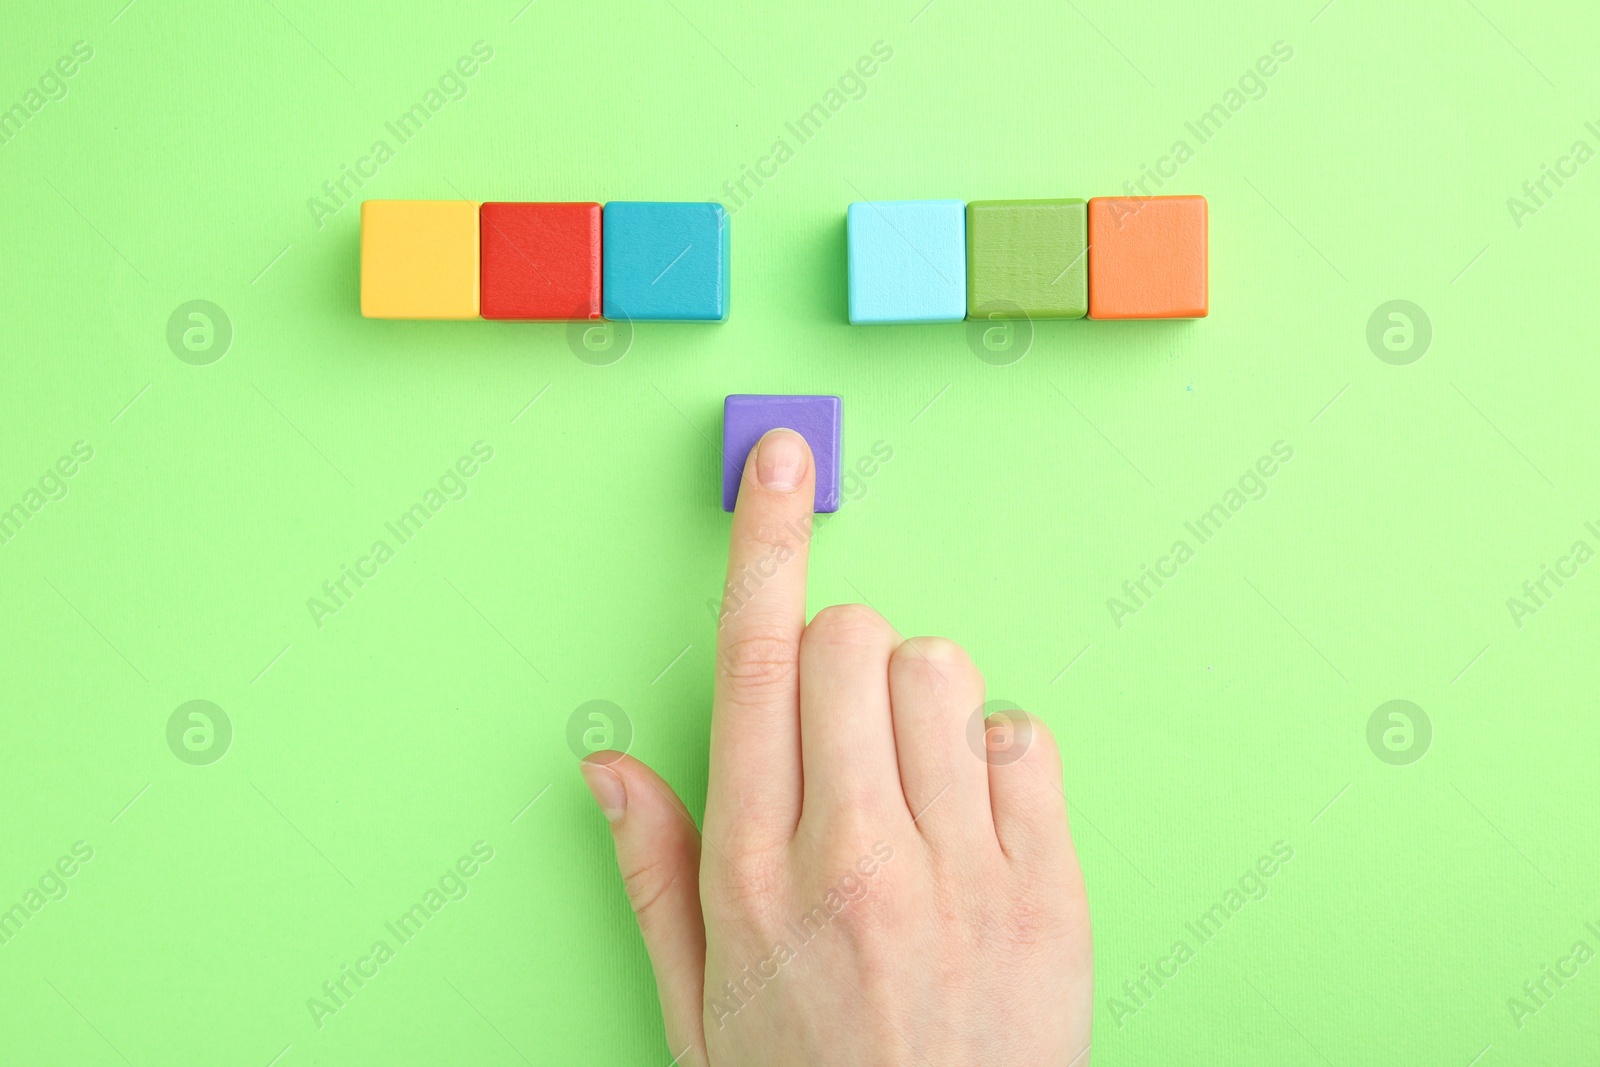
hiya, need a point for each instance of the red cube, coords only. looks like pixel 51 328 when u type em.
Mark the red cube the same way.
pixel 539 261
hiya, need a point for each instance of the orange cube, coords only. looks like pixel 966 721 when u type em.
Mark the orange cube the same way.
pixel 1147 257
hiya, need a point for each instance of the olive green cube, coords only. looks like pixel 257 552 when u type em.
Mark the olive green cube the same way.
pixel 1027 259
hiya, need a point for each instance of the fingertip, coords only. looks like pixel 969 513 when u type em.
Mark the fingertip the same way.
pixel 1042 744
pixel 1029 747
pixel 781 461
pixel 605 784
pixel 646 791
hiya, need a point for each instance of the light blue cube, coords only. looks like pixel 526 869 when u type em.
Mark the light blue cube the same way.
pixel 664 262
pixel 908 261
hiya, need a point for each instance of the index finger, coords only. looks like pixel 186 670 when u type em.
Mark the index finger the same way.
pixel 755 784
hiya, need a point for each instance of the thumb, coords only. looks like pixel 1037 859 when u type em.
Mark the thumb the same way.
pixel 658 853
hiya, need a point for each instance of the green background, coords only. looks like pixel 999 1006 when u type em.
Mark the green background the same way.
pixel 1228 713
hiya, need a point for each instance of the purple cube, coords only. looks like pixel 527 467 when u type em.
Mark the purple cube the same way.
pixel 746 416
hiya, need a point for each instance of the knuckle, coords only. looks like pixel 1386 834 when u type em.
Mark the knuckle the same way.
pixel 839 835
pixel 1028 922
pixel 750 891
pixel 932 662
pixel 863 898
pixel 648 883
pixel 760 658
pixel 777 543
pixel 939 650
pixel 846 624
pixel 863 832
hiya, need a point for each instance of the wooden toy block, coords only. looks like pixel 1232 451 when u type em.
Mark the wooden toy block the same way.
pixel 419 259
pixel 908 261
pixel 1027 259
pixel 819 419
pixel 1147 257
pixel 666 262
pixel 540 261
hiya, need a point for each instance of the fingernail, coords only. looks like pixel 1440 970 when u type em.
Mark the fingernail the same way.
pixel 607 788
pixel 781 461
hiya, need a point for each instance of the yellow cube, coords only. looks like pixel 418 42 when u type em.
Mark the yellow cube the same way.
pixel 419 259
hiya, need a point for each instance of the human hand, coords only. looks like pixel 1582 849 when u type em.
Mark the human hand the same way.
pixel 880 883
